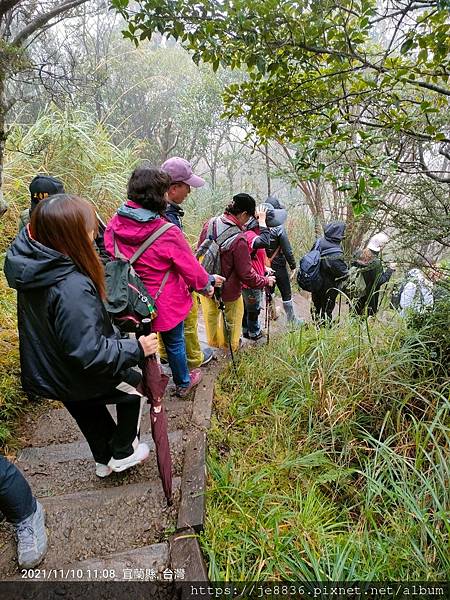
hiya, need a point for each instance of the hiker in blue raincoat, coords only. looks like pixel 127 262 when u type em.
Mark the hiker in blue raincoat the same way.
pixel 333 270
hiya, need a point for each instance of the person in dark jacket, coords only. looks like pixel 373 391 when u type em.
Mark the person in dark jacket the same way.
pixel 369 263
pixel 69 350
pixel 333 270
pixel 41 186
pixel 25 513
pixel 280 255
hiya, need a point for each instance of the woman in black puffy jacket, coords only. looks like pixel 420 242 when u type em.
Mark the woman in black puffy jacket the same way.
pixel 69 350
pixel 280 255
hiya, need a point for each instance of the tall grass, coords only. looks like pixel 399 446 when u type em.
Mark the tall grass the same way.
pixel 69 145
pixel 329 460
pixel 12 400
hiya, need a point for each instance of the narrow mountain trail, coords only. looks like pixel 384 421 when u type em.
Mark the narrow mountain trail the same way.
pixel 121 524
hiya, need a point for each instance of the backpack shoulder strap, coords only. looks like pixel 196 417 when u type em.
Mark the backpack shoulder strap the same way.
pixel 274 255
pixel 149 241
pixel 117 252
pixel 211 232
pixel 228 233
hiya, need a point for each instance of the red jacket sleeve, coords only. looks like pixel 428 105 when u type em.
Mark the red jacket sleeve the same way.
pixel 243 265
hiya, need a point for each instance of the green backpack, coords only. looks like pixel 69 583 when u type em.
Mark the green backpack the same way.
pixel 128 301
pixel 355 286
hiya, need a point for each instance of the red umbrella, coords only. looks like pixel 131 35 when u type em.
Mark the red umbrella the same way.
pixel 154 384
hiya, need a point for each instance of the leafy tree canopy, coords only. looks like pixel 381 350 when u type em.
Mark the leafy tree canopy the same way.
pixel 323 70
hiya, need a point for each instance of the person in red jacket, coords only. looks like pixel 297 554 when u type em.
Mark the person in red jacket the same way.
pixel 258 239
pixel 236 267
pixel 168 268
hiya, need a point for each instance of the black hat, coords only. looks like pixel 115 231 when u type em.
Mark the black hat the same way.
pixel 43 186
pixel 245 203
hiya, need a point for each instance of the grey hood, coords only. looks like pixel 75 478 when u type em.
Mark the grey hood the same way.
pixel 334 232
pixel 273 201
pixel 141 215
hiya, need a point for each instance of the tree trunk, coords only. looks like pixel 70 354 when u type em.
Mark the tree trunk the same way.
pixel 266 152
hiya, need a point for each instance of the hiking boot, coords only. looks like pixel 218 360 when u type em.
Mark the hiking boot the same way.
pixel 196 377
pixel 31 539
pixel 255 338
pixel 121 464
pixel 208 354
pixel 102 470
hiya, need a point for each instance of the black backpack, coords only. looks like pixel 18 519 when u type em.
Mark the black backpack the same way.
pixel 308 274
pixel 128 301
pixel 309 277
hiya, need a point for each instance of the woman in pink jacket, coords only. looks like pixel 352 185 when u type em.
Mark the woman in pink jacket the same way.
pixel 170 255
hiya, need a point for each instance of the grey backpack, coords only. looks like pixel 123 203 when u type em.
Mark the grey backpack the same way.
pixel 208 253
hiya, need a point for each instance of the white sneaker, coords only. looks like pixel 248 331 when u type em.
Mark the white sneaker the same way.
pixel 121 464
pixel 31 539
pixel 102 470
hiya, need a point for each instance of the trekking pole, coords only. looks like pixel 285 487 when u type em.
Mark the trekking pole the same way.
pixel 268 306
pixel 221 307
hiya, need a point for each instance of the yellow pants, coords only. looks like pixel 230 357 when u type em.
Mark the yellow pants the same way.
pixel 215 330
pixel 193 350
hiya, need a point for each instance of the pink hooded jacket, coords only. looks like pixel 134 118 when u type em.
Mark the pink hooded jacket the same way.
pixel 170 252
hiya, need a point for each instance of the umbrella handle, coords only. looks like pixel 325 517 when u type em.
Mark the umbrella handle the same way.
pixel 147 329
pixel 146 326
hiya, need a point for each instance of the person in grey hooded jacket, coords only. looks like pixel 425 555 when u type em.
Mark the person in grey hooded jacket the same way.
pixel 280 255
pixel 333 270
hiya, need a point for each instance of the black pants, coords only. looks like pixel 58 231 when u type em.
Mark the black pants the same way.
pixel 324 303
pixel 282 281
pixel 105 438
pixel 16 499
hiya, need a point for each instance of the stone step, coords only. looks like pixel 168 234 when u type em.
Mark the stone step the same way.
pixel 57 453
pixel 58 427
pixel 123 566
pixel 50 478
pixel 95 524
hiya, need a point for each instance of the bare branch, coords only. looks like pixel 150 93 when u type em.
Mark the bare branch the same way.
pixel 43 19
pixel 426 170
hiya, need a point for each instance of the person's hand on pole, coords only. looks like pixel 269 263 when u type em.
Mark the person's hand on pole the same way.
pixel 261 214
pixel 270 281
pixel 292 275
pixel 218 280
pixel 149 343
